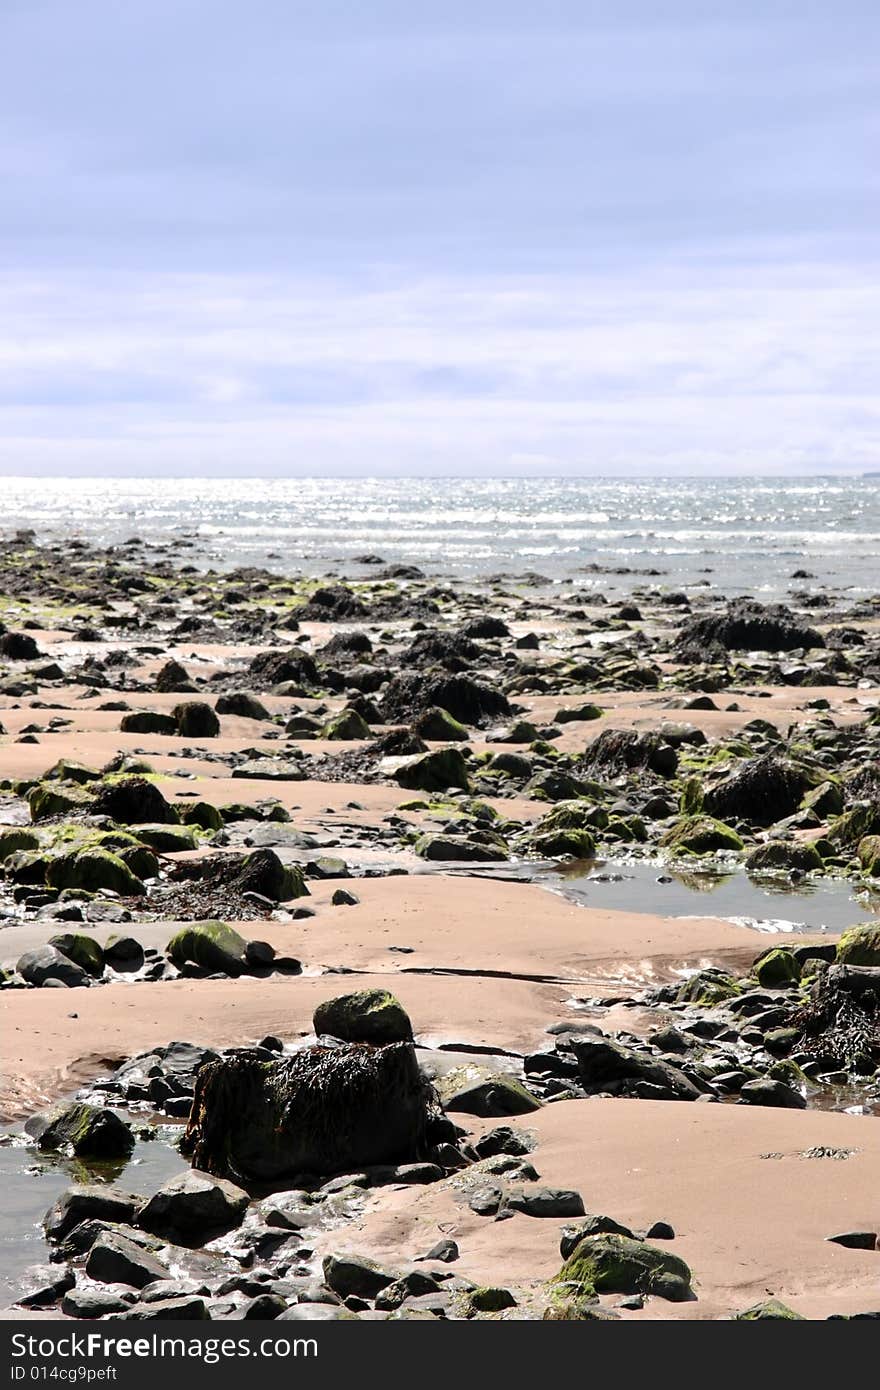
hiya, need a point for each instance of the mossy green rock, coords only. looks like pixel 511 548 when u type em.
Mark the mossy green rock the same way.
pixel 93 870
pixel 141 860
pixel 15 839
pixel 784 855
pixel 368 1016
pixel 700 835
pixel 56 800
pixel 770 1309
pixel 869 854
pixel 475 1090
pixel 776 969
pixel 691 800
pixel 577 715
pixel 618 1264
pixel 214 946
pixel 433 772
pixel 860 945
pixel 83 950
pixel 67 771
pixel 346 725
pixel 852 827
pixel 438 726
pixel 489 1299
pixel 202 814
pixel 709 986
pixel 168 839
pixel 88 1131
pixel 554 844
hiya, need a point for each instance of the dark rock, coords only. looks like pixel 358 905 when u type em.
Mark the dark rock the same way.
pixel 193 1208
pixel 84 1203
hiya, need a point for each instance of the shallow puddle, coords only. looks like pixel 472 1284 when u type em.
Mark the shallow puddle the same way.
pixel 32 1181
pixel 767 905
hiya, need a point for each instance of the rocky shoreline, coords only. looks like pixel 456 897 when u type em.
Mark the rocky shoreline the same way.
pixel 219 793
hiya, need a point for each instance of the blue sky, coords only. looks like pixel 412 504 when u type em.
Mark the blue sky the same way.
pixel 624 236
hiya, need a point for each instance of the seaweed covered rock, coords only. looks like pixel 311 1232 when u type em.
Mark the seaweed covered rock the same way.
pixel 776 968
pixel 783 856
pixel 616 1264
pixel 47 800
pixel 275 667
pixel 88 1131
pixel 213 946
pixel 451 650
pixel 747 626
pixel 623 750
pixel 558 844
pixel 346 725
pixel 769 1310
pixel 134 800
pixel 433 772
pixel 367 1016
pixel 322 1110
pixel 332 603
pixel 173 679
pixel 196 719
pixel 262 872
pixel 467 700
pixel 762 790
pixel 240 703
pixel 700 835
pixel 869 855
pixel 147 721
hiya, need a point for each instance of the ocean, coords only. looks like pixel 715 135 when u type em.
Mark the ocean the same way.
pixel 733 535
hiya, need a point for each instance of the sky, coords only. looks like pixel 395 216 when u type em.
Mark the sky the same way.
pixel 571 237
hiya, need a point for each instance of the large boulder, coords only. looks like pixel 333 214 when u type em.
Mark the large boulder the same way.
pixel 476 1090
pixel 368 1016
pixel 762 790
pixel 783 856
pixel 275 667
pixel 196 719
pixel 467 700
pixel 616 1264
pixel 700 835
pixel 214 946
pixel 87 1203
pixel 433 772
pixel 606 1065
pixel 147 721
pixel 45 964
pixel 240 703
pixel 88 1131
pixel 625 750
pixel 134 800
pixel 321 1110
pixel 747 626
pixel 93 870
pixel 860 945
pixel 193 1208
pixel 83 950
pixel 173 679
pixel 262 872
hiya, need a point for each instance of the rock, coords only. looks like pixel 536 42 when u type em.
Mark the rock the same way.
pixel 13 838
pixel 700 835
pixel 458 849
pixel 275 667
pixel 134 800
pixel 193 1208
pixel 85 1203
pixel 762 790
pixel 19 646
pixel 615 1264
pixel 769 1309
pixel 621 750
pixel 433 772
pixel 661 1230
pixel 48 1292
pixel 188 1309
pixel 857 946
pixel 94 870
pixel 147 721
pixel 96 1303
pixel 856 1240
pixel 87 1130
pixel 270 770
pixel 196 719
pixel 45 964
pixel 747 626
pixel 784 855
pixel 263 872
pixel 593 1226
pixel 367 1016
pixel 240 703
pixel 438 726
pixel 342 897
pixel 544 1201
pixel 603 1063
pixel 765 1091
pixel 211 945
pixel 869 855
pixel 504 1140
pixel 346 725
pixel 445 1250
pixel 168 839
pixel 83 950
pixel 490 1299
pixel 557 844
pixel 776 968
pixel 114 1259
pixel 469 701
pixel 202 814
pixel 476 1090
pixel 349 1275
pixel 578 714
pixel 320 1110
pixel 173 679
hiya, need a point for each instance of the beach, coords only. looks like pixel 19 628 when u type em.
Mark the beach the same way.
pixel 394 782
